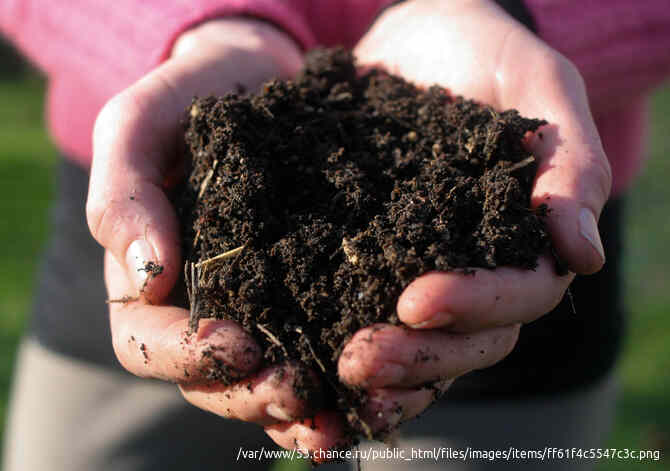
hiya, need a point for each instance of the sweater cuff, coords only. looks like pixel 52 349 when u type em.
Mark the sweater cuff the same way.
pixel 280 14
pixel 170 19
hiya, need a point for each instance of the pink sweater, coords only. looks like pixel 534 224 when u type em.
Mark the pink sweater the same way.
pixel 91 50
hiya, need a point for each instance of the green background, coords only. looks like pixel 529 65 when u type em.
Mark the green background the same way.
pixel 27 162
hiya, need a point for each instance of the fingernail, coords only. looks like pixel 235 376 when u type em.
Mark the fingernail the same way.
pixel 439 319
pixel 137 256
pixel 276 412
pixel 390 373
pixel 589 229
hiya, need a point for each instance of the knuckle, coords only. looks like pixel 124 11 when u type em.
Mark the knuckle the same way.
pixel 127 107
pixel 568 69
pixel 105 219
pixel 601 179
pixel 192 397
pixel 106 123
pixel 120 344
pixel 552 302
pixel 95 214
pixel 108 115
pixel 554 67
pixel 554 295
pixel 185 44
pixel 510 340
pixel 553 298
pixel 504 343
pixel 560 291
pixel 356 368
pixel 557 65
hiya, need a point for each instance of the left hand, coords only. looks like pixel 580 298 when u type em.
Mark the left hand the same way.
pixel 138 140
pixel 475 49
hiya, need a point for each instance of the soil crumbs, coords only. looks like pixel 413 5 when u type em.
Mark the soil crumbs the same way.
pixel 311 205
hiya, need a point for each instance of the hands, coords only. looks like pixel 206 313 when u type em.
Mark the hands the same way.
pixel 471 47
pixel 136 155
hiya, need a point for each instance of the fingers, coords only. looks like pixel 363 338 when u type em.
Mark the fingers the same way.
pixel 574 180
pixel 322 432
pixel 510 68
pixel 386 360
pixel 386 409
pixel 384 355
pixel 128 213
pixel 153 341
pixel 574 176
pixel 484 299
pixel 265 398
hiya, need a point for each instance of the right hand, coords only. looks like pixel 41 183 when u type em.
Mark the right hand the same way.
pixel 137 148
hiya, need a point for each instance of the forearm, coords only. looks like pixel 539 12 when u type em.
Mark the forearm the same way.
pixel 115 43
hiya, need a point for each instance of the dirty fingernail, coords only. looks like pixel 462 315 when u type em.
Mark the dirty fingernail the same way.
pixel 137 256
pixel 390 373
pixel 589 230
pixel 277 412
pixel 439 319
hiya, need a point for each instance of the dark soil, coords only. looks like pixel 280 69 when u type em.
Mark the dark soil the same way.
pixel 338 190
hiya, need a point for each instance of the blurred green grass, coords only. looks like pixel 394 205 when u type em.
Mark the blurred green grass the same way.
pixel 26 167
pixel 27 161
pixel 643 412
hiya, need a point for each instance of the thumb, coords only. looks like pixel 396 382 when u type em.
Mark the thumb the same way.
pixel 574 176
pixel 136 141
pixel 128 211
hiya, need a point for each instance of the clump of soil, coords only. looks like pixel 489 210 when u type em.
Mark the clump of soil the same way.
pixel 325 196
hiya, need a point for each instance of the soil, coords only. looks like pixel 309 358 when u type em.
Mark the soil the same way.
pixel 324 197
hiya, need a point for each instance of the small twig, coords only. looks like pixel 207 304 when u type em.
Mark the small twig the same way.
pixel 228 254
pixel 572 301
pixel 195 239
pixel 192 279
pixel 349 251
pixel 267 111
pixel 367 430
pixel 272 337
pixel 123 300
pixel 494 114
pixel 451 192
pixel 309 345
pixel 205 182
pixel 187 281
pixel 520 165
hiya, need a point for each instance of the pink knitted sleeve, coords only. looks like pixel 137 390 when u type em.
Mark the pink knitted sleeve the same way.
pixel 622 49
pixel 92 50
pixel 118 41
